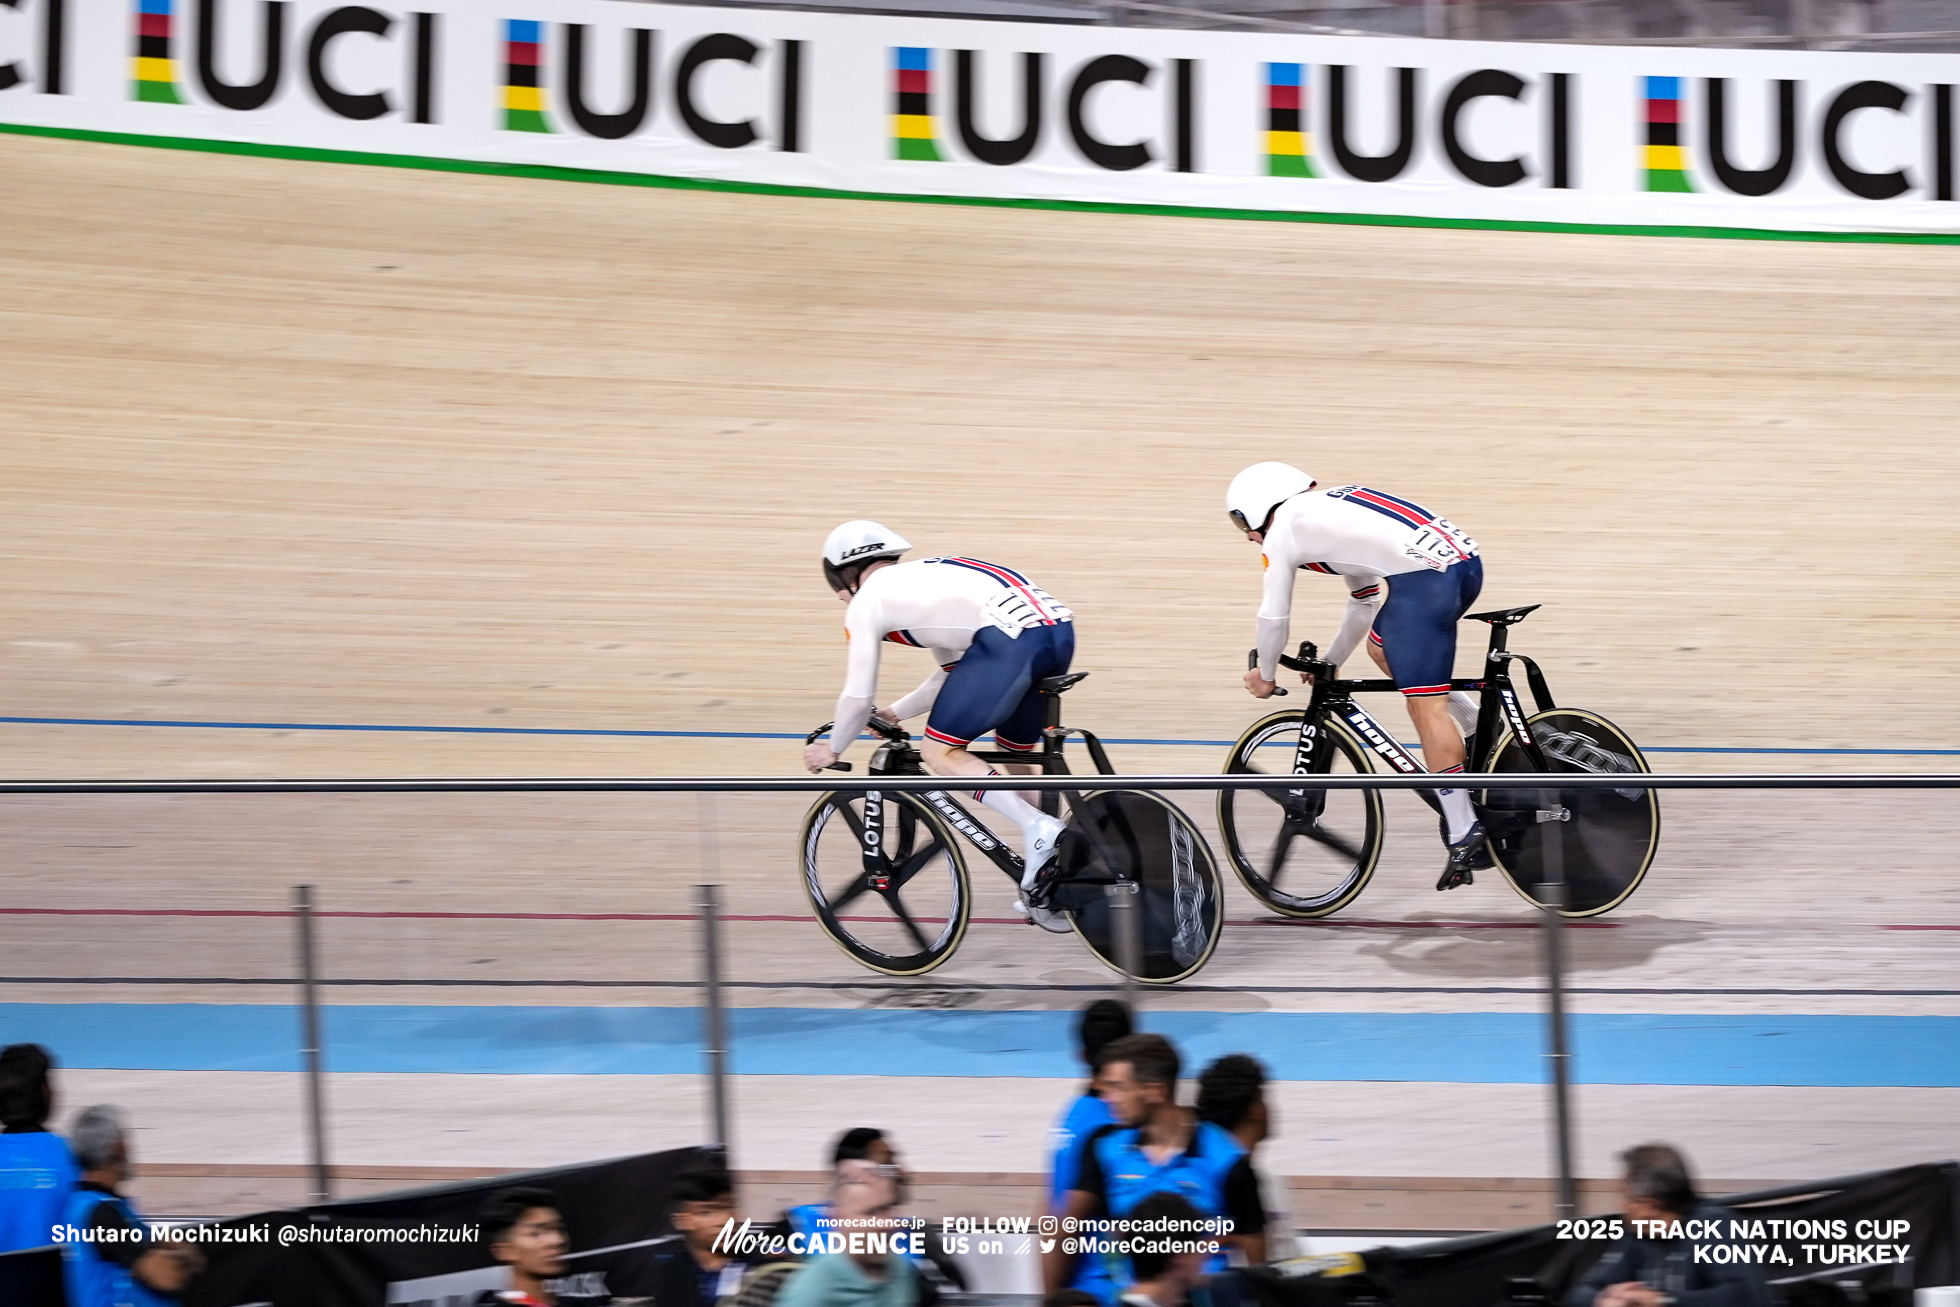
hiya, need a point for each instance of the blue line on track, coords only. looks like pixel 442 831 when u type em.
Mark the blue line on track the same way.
pixel 791 735
pixel 1466 1047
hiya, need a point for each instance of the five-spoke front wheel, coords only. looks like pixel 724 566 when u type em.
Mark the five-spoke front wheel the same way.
pixel 901 910
pixel 1303 851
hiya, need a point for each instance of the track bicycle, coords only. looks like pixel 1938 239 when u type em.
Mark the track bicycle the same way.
pixel 886 872
pixel 1310 852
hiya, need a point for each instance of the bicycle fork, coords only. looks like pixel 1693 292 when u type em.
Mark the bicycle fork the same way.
pixel 877 867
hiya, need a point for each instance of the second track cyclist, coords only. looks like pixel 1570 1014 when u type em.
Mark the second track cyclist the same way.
pixel 1432 572
pixel 992 634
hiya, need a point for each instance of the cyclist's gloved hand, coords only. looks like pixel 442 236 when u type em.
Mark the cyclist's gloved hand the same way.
pixel 818 756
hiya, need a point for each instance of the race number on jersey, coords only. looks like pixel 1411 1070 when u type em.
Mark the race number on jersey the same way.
pixel 1437 545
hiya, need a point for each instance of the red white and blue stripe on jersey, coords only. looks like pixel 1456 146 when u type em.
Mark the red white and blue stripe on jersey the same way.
pixel 905 638
pixel 1010 578
pixel 1366 591
pixel 1407 512
pixel 1402 510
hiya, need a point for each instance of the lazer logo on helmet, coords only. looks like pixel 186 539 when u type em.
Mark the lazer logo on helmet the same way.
pixel 871 548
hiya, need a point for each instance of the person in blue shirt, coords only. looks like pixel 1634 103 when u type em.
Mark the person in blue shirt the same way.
pixel 37 1170
pixel 1154 1146
pixel 109 1258
pixel 1102 1023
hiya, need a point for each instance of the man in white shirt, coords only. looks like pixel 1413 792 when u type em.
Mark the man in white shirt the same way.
pixel 992 634
pixel 1432 574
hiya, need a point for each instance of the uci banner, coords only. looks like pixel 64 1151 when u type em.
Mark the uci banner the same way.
pixel 1648 137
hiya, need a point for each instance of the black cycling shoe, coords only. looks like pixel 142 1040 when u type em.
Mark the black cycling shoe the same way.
pixel 1483 861
pixel 1465 857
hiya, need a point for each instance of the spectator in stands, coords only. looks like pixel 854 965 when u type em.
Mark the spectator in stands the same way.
pixel 689 1271
pixel 862 1143
pixel 865 1144
pixel 524 1229
pixel 1643 1270
pixel 1161 1278
pixel 865 1192
pixel 1101 1024
pixel 109 1258
pixel 1154 1146
pixel 1232 1095
pixel 37 1169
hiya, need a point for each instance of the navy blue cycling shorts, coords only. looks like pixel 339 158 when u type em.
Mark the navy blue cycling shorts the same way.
pixel 992 688
pixel 1416 627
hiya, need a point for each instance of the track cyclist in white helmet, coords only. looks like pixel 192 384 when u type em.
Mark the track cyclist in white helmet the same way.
pixel 992 634
pixel 1432 573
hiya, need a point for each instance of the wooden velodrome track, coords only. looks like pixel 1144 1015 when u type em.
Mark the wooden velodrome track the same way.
pixel 299 443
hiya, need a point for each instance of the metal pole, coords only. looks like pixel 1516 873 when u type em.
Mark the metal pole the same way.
pixel 310 1044
pixel 1125 911
pixel 1553 897
pixel 714 1028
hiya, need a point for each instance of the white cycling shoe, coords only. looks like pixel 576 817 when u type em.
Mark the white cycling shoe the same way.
pixel 1039 842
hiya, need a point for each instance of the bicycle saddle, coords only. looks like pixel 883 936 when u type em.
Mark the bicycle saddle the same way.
pixel 1056 684
pixel 1503 616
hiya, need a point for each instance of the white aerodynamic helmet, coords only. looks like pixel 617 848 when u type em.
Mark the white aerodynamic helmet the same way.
pixel 1257 491
pixel 854 544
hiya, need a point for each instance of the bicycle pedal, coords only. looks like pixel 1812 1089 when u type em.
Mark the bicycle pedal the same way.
pixel 1055 923
pixel 1454 879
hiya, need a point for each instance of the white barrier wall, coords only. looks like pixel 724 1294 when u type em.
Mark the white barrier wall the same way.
pixel 1619 136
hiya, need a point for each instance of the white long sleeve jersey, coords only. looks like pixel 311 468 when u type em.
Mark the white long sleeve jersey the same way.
pixel 1355 533
pixel 937 604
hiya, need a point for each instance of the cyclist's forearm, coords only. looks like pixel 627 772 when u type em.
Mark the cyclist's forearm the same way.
pixel 920 699
pixel 853 711
pixel 1272 640
pixel 1355 621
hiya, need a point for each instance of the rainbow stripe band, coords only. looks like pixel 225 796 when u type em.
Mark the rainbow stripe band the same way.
pixel 523 89
pixel 153 73
pixel 1666 167
pixel 912 135
pixel 1289 146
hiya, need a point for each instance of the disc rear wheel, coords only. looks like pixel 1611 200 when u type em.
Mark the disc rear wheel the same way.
pixel 907 912
pixel 1607 845
pixel 1125 838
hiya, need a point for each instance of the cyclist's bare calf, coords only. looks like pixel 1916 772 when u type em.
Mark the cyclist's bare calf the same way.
pixel 1442 738
pixel 1039 831
pixel 945 760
